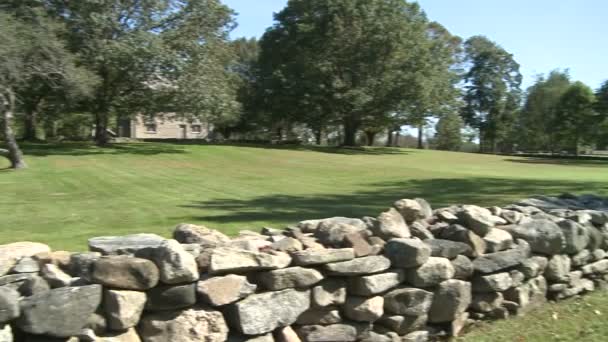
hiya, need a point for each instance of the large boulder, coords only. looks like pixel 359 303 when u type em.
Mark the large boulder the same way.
pixel 329 292
pixel 125 272
pixel 201 235
pixel 360 266
pixel 128 244
pixel 175 264
pixel 191 325
pixel 262 313
pixel 171 297
pixel 497 282
pixel 228 260
pixel 331 232
pixel 558 269
pixel 450 300
pixel 448 249
pixel 477 219
pixel 408 301
pixel 576 236
pixel 362 309
pixel 123 308
pixel 431 273
pixel 530 295
pixel 12 252
pixel 292 277
pixel 498 240
pixel 54 276
pixel 407 253
pixel 62 312
pixel 463 267
pixel 494 262
pixel 412 210
pixel 374 284
pixel 81 264
pixel 390 224
pixel 544 236
pixel 459 233
pixel 219 291
pixel 9 304
pixel 311 257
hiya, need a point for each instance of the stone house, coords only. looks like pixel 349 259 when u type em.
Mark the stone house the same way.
pixel 167 126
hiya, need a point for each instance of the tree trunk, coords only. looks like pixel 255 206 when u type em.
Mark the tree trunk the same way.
pixel 420 134
pixel 350 131
pixel 371 136
pixel 101 129
pixel 30 124
pixel 389 138
pixel 14 152
pixel 318 135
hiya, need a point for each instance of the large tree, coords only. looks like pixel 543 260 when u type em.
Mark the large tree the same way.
pixel 492 91
pixel 576 121
pixel 448 135
pixel 343 60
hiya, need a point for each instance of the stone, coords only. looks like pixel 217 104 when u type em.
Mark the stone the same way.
pixel 498 240
pixel 371 336
pixel 264 312
pixel 459 323
pixel 9 304
pixel 486 302
pixel 533 267
pixel 322 316
pixel 596 267
pixel 403 325
pixel 364 309
pixel 219 291
pixel 26 265
pixel 249 244
pixel 599 254
pixel 413 210
pixel 492 283
pixel 328 333
pixel 447 216
pixel 431 273
pixel 230 260
pixel 61 312
pixel 581 258
pixel 463 267
pixel 517 277
pixel 125 272
pixel 477 219
pixel 201 235
pixel 358 243
pixel 448 249
pixel 60 259
pixel 450 300
pixel 54 276
pixel 419 229
pixel 130 335
pixel 288 245
pixel 416 336
pixel 123 245
pixel 311 226
pixel 175 264
pixel 528 296
pixel 311 257
pixel 171 297
pixel 374 284
pixel 558 268
pixel 286 334
pixel 81 264
pixel 390 224
pixel 544 236
pixel 360 266
pixel 13 252
pixel 576 236
pixel 123 309
pixel 192 248
pixel 331 232
pixel 498 261
pixel 329 292
pixel 407 253
pixel 511 216
pixel 191 325
pixel 408 301
pixel 6 333
pixel 292 277
pixel 34 285
pixel 459 233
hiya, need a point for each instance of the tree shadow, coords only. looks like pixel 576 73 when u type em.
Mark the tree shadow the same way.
pixel 359 150
pixel 84 149
pixel 564 161
pixel 439 192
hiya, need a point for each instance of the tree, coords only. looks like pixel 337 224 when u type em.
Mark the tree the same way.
pixel 492 91
pixel 32 55
pixel 448 136
pixel 601 107
pixel 576 120
pixel 339 60
pixel 535 122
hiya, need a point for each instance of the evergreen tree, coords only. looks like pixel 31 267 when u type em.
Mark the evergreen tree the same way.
pixel 448 134
pixel 576 121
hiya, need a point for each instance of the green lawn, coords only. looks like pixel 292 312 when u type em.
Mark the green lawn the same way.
pixel 75 191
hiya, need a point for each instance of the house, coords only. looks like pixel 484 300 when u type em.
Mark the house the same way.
pixel 167 126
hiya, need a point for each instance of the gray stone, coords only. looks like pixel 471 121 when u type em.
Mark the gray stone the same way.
pixel 494 262
pixel 416 336
pixel 403 325
pixel 581 258
pixel 61 312
pixel 448 249
pixel 558 268
pixel 518 277
pixel 6 333
pixel 450 300
pixel 533 267
pixel 287 244
pixel 129 244
pixel 599 254
pixel 191 325
pixel 498 240
pixel 511 216
pixel 419 229
pixel 459 233
pixel 331 232
pixel 125 272
pixel 81 264
pixel 322 316
pixel 486 302
pixel 431 273
pixel 413 210
pixel 463 267
pixel 123 309
pixel 576 236
pixel 12 252
pixel 54 276
pixel 374 284
pixel 328 333
pixel 329 292
pixel 225 260
pixel 201 235
pixel 311 257
pixel 596 267
pixel 360 266
pixel 34 285
pixel 492 283
pixel 262 313
pixel 219 291
pixel 311 226
pixel 407 253
pixel 130 335
pixel 358 243
pixel 171 297
pixel 446 216
pixel 544 236
pixel 192 248
pixel 9 304
pixel 479 220
pixel 408 301
pixel 26 265
pixel 175 264
pixel 530 295
pixel 291 277
pixel 364 309
pixel 390 224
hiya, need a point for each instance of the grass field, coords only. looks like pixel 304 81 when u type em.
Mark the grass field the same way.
pixel 75 191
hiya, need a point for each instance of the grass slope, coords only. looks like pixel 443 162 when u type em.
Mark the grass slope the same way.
pixel 75 191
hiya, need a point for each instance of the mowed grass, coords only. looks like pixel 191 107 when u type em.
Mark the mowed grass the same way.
pixel 72 192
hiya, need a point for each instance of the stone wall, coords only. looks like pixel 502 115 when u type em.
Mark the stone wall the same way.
pixel 410 274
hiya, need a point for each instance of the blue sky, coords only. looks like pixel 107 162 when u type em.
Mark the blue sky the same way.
pixel 542 34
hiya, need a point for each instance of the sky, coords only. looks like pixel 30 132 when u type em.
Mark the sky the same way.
pixel 541 34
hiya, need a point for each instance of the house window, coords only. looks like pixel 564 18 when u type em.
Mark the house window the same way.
pixel 150 128
pixel 196 129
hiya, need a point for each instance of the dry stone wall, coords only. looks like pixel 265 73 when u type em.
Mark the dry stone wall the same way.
pixel 410 274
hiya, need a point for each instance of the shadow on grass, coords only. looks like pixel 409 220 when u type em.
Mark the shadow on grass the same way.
pixel 84 148
pixel 368 151
pixel 439 192
pixel 570 161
